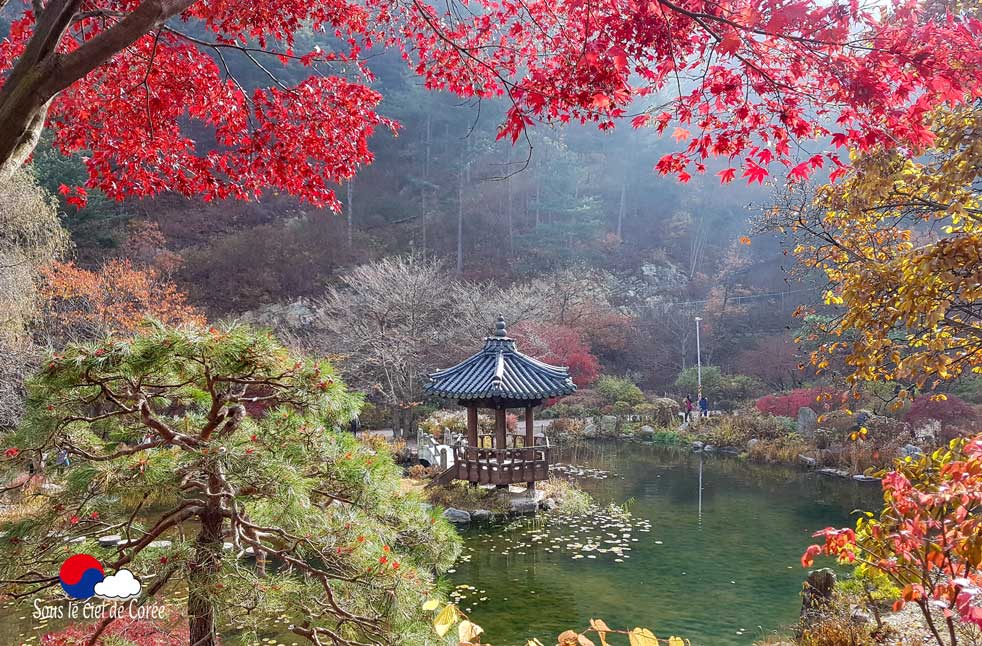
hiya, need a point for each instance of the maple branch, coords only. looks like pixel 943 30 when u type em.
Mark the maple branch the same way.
pixel 149 16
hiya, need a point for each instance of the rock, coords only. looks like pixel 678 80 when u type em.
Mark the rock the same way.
pixel 752 442
pixel 928 432
pixel 50 487
pixel 589 429
pixel 524 506
pixel 816 593
pixel 860 477
pixel 647 430
pixel 608 424
pixel 110 540
pixel 457 515
pixel 708 448
pixel 481 515
pixel 860 618
pixel 161 545
pixel 697 446
pixel 807 422
pixel 548 504
pixel 910 451
pixel 807 461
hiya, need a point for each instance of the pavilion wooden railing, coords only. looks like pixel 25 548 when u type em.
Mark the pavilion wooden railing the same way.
pixel 503 466
pixel 512 440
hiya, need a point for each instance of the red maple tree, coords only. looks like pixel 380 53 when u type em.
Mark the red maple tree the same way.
pixel 752 81
pixel 561 346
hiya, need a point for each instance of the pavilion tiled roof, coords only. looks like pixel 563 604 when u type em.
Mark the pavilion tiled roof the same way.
pixel 500 371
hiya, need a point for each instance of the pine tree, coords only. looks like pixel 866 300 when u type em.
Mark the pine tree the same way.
pixel 201 446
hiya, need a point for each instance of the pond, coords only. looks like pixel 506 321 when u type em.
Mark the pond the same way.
pixel 717 563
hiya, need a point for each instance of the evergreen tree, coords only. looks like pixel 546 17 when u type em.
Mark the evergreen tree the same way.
pixel 184 441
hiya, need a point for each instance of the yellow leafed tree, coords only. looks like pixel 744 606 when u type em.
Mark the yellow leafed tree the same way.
pixel 900 242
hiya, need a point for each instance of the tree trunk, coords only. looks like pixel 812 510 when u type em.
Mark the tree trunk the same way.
pixel 202 572
pixel 460 219
pixel 621 210
pixel 41 71
pixel 426 174
pixel 350 209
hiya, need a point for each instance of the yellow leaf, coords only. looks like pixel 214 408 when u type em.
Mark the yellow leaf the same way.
pixel 582 640
pixel 676 641
pixel 432 604
pixel 446 619
pixel 602 629
pixel 642 637
pixel 467 631
pixel 533 642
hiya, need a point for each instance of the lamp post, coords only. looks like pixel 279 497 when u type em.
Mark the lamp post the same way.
pixel 698 361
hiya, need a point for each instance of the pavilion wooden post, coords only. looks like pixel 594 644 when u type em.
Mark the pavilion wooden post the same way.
pixel 529 443
pixel 471 440
pixel 500 441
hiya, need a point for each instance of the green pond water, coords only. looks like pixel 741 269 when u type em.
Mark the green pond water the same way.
pixel 717 564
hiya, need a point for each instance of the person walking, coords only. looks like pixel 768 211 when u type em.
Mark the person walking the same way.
pixel 704 406
pixel 687 407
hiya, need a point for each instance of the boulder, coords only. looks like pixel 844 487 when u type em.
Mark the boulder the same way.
pixel 589 429
pixel 647 430
pixel 457 515
pixel 110 540
pixel 697 446
pixel 709 448
pixel 929 432
pixel 524 506
pixel 807 422
pixel 807 461
pixel 548 504
pixel 816 593
pixel 751 443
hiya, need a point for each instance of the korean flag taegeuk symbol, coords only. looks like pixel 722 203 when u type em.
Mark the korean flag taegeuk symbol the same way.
pixel 79 575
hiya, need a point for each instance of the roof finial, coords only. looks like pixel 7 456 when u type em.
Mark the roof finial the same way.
pixel 499 327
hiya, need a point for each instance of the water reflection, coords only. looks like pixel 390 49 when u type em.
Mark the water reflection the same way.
pixel 719 559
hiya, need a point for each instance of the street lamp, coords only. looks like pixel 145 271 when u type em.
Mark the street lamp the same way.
pixel 698 361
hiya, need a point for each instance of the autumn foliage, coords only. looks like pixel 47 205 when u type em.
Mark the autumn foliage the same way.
pixel 561 346
pixel 169 631
pixel 787 404
pixel 949 410
pixel 117 298
pixel 769 74
pixel 899 241
pixel 927 538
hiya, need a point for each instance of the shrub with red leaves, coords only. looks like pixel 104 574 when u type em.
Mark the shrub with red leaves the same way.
pixel 561 346
pixel 172 630
pixel 787 404
pixel 951 411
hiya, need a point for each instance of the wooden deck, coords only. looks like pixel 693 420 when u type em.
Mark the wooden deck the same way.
pixel 502 466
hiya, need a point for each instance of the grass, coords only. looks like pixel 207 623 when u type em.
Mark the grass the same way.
pixel 569 498
pixel 461 495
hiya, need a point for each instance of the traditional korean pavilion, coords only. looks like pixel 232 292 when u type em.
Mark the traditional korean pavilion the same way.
pixel 500 377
